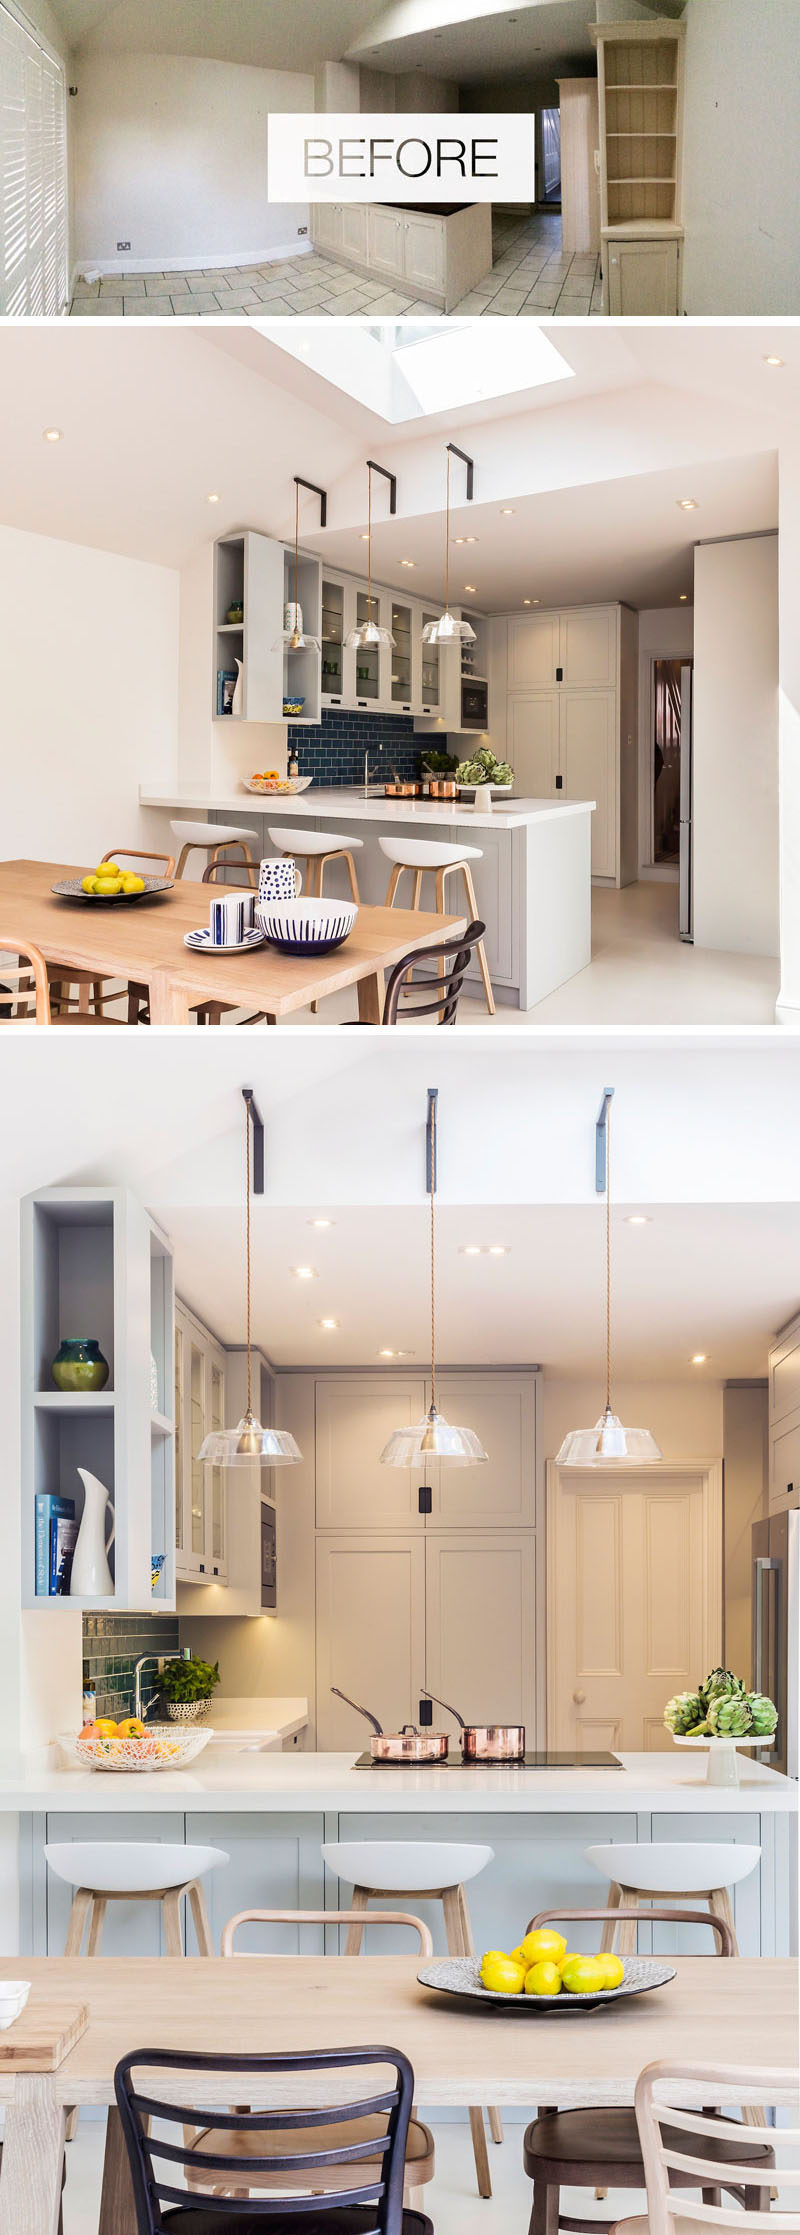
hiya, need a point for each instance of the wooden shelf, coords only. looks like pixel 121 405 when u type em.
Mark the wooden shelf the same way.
pixel 641 181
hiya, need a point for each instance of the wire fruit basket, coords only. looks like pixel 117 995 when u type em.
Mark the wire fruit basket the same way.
pixel 162 1746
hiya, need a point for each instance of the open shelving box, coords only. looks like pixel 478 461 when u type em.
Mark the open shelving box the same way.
pixel 257 573
pixel 94 1264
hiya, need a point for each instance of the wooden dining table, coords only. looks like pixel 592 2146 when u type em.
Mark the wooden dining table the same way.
pixel 142 941
pixel 719 2012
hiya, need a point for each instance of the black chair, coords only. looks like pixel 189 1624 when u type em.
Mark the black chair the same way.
pixel 443 990
pixel 374 2208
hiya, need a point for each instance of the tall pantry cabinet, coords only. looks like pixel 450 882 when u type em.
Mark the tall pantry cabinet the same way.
pixel 564 690
pixel 429 1579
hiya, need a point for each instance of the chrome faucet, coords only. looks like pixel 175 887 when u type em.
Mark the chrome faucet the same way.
pixel 137 1687
pixel 368 772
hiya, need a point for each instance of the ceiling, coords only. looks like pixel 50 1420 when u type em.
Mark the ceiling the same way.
pixel 263 33
pixel 473 39
pixel 231 412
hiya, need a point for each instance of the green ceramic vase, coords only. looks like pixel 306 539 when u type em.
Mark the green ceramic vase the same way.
pixel 79 1364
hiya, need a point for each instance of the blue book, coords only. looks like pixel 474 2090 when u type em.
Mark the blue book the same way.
pixel 48 1507
pixel 63 1539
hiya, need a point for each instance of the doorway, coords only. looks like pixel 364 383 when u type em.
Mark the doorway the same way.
pixel 634 1606
pixel 666 763
pixel 549 159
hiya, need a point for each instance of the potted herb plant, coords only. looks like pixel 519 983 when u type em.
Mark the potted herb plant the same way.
pixel 186 1688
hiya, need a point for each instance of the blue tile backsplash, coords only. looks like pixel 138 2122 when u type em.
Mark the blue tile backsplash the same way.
pixel 112 1643
pixel 332 751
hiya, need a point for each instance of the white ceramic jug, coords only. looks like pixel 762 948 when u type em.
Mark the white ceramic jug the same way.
pixel 91 1576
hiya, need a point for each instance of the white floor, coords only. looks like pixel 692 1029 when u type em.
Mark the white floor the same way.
pixel 641 973
pixel 451 2199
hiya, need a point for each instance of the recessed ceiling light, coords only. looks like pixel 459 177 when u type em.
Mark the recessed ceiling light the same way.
pixel 684 597
pixel 687 504
pixel 471 586
pixel 507 511
pixel 699 1358
pixel 53 434
pixel 320 1222
pixel 364 538
pixel 408 562
pixel 526 601
pixel 396 1354
pixel 470 539
pixel 213 498
pixel 484 1249
pixel 774 360
pixel 470 1249
pixel 305 1272
pixel 498 1249
pixel 329 1323
pixel 638 1218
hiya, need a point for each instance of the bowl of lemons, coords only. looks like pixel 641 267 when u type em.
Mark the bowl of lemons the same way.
pixel 109 882
pixel 542 1974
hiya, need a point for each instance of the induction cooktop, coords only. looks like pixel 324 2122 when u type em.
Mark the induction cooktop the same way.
pixel 543 1758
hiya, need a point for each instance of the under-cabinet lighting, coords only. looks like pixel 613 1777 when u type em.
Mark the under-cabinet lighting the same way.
pixel 305 1272
pixel 684 597
pixel 483 1249
pixel 53 434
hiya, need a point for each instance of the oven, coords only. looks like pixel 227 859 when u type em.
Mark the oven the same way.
pixel 474 702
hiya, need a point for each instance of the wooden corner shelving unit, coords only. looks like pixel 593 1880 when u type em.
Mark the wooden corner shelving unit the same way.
pixel 641 95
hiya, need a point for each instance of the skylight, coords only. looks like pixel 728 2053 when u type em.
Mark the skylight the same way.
pixel 415 371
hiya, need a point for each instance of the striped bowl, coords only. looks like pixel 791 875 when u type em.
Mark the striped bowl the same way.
pixel 301 927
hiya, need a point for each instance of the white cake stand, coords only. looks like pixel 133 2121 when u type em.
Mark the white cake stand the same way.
pixel 723 1767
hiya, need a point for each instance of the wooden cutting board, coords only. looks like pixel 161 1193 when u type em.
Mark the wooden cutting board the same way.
pixel 42 2037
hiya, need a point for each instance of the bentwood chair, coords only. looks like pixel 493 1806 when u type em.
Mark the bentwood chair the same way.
pixel 436 995
pixel 419 2165
pixel 667 2129
pixel 599 2149
pixel 25 991
pixel 372 2202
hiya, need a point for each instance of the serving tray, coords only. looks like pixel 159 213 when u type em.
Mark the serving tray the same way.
pixel 460 1975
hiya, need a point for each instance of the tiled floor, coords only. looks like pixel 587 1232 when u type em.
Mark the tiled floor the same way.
pixel 530 278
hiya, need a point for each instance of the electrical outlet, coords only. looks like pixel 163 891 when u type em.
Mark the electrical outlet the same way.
pixel 302 231
pixel 122 245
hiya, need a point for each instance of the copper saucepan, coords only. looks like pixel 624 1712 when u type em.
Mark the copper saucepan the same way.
pixel 486 1742
pixel 408 1745
pixel 442 787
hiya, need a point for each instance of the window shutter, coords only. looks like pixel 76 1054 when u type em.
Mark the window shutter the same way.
pixel 33 175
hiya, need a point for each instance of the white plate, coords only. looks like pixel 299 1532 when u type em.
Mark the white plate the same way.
pixel 460 1975
pixel 201 943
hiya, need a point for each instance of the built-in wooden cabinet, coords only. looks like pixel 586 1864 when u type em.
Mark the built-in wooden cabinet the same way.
pixel 437 255
pixel 355 1416
pixel 641 93
pixel 200 1491
pixel 370 1632
pixel 94 1263
pixel 580 180
pixel 570 686
pixel 784 1420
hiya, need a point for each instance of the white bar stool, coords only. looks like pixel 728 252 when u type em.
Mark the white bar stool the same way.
pixel 431 1870
pixel 425 856
pixel 104 1870
pixel 698 1870
pixel 315 847
pixel 211 839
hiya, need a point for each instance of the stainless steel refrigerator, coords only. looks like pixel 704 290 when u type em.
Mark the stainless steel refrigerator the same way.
pixel 686 862
pixel 776 1629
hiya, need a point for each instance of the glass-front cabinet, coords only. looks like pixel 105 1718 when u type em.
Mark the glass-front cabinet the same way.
pixel 431 686
pixel 333 633
pixel 403 678
pixel 368 661
pixel 402 659
pixel 200 1491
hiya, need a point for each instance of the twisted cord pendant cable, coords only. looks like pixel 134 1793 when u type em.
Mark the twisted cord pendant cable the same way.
pixel 369 543
pixel 447 542
pixel 433 1256
pixel 247 1139
pixel 608 1258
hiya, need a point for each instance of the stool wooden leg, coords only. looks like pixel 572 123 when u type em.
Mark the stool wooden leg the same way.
pixel 182 861
pixel 626 1934
pixel 355 1932
pixel 610 1930
pixel 394 881
pixel 441 907
pixel 483 964
pixel 454 1934
pixel 171 1906
pixel 81 1905
pixel 720 1905
pixel 96 1923
pixel 202 1926
pixel 351 871
pixel 495 2121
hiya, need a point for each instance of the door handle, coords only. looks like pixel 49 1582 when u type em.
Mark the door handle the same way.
pixel 579 1698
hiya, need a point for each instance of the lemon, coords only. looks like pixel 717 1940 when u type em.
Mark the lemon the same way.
pixel 570 1955
pixel 543 1978
pixel 613 1970
pixel 105 885
pixel 544 1946
pixel 108 869
pixel 131 883
pixel 501 1974
pixel 584 1975
pixel 87 884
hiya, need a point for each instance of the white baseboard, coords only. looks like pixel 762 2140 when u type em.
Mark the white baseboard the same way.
pixel 110 267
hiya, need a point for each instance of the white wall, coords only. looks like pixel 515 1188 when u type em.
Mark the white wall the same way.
pixel 735 812
pixel 789 728
pixel 665 633
pixel 684 1417
pixel 171 154
pixel 89 658
pixel 742 134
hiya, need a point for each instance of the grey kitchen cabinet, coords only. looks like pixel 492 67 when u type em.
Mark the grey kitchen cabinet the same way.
pixel 355 1416
pixel 275 1862
pixel 784 1419
pixel 200 1491
pixel 370 1633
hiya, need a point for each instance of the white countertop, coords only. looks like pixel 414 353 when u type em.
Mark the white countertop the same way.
pixel 267 1783
pixel 343 805
pixel 252 1722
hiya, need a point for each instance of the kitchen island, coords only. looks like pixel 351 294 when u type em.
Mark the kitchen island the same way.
pixel 271 1812
pixel 533 882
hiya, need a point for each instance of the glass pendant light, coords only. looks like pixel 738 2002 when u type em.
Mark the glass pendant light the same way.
pixel 368 636
pixel 239 1446
pixel 447 630
pixel 608 1444
pixel 293 637
pixel 433 1437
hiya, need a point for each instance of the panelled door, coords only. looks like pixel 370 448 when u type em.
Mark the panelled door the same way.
pixel 501 1493
pixel 533 651
pixel 370 1633
pixel 480 1625
pixel 533 742
pixel 633 1565
pixel 355 1419
pixel 588 766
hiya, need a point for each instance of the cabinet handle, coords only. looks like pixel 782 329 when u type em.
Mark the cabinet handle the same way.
pixel 202 1567
pixel 579 1698
pixel 425 1496
pixel 559 675
pixel 336 702
pixel 559 783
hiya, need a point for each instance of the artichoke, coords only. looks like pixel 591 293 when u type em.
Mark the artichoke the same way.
pixel 730 1715
pixel 764 1714
pixel 683 1712
pixel 721 1681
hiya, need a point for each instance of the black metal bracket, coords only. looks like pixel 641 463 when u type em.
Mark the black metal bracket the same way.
pixel 392 480
pixel 257 1124
pixel 470 466
pixel 315 492
pixel 431 1144
pixel 601 1142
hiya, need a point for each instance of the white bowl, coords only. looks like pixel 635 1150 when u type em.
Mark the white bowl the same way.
pixel 301 927
pixel 13 1997
pixel 279 791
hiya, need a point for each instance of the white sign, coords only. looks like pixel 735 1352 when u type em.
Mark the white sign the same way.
pixel 414 158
